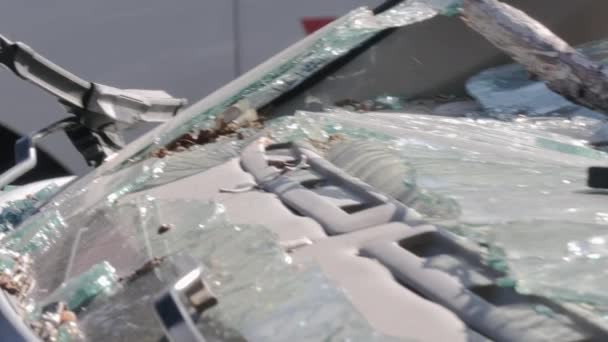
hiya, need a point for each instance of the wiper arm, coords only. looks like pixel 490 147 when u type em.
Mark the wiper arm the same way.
pixel 103 112
pixel 97 104
pixel 27 64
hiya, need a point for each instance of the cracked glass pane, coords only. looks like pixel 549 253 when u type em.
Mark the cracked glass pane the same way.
pixel 490 168
pixel 337 38
pixel 186 163
pixel 249 273
pixel 569 264
pixel 340 37
pixel 510 91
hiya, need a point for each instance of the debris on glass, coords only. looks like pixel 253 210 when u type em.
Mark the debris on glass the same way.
pixel 56 322
pixel 149 266
pixel 15 273
pixel 164 228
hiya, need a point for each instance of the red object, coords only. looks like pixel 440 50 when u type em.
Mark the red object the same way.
pixel 311 24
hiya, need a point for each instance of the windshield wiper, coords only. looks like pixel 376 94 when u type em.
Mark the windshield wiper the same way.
pixel 102 112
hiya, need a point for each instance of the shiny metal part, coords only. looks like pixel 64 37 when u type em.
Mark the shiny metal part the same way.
pixel 187 298
pixel 25 151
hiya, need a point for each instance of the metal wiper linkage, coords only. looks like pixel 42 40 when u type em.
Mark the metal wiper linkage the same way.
pixel 101 112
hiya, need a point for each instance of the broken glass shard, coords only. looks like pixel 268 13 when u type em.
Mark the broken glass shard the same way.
pixel 255 282
pixel 8 261
pixel 388 172
pixel 510 89
pixel 389 102
pixel 179 165
pixel 80 291
pixel 558 259
pixel 574 149
pixel 445 7
pixel 15 212
pixel 491 168
pixel 37 234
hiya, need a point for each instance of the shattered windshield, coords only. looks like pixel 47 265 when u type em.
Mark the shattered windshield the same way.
pixel 473 146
